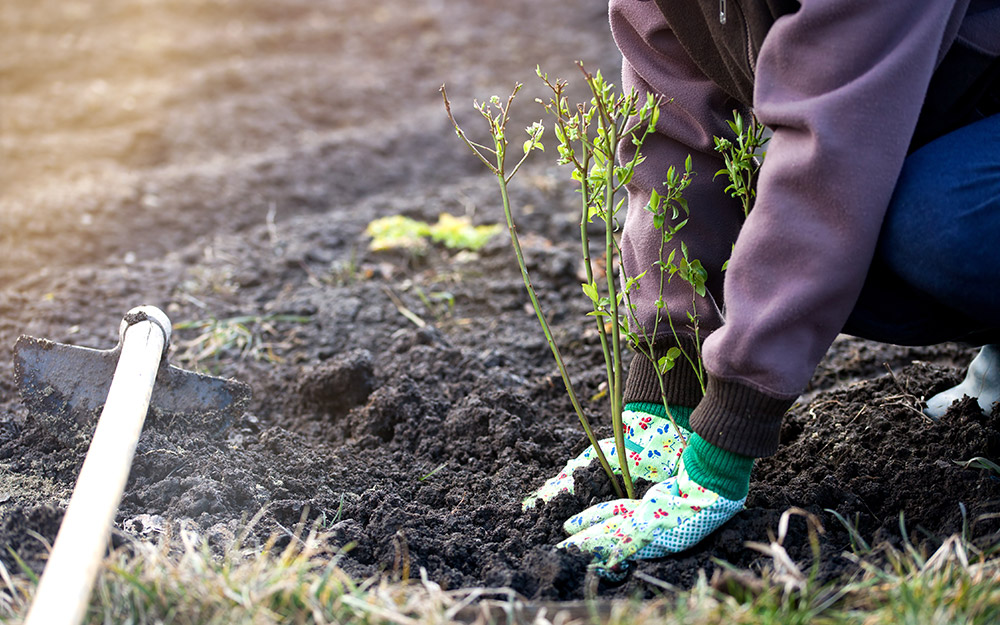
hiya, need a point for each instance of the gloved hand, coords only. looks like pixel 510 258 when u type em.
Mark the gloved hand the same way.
pixel 982 381
pixel 654 448
pixel 710 487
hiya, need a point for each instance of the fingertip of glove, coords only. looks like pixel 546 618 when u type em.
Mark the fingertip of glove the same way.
pixel 614 574
pixel 574 525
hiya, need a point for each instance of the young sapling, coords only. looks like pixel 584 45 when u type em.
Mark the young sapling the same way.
pixel 497 116
pixel 589 135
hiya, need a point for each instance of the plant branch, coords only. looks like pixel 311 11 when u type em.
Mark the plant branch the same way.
pixel 498 125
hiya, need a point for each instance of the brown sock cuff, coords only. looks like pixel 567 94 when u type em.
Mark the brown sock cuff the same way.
pixel 680 383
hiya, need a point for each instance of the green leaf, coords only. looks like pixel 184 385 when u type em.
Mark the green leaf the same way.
pixel 665 364
pixel 694 274
pixel 979 462
pixel 590 289
pixel 397 231
pixel 459 233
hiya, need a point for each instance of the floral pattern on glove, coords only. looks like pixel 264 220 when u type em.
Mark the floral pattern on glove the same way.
pixel 673 516
pixel 654 450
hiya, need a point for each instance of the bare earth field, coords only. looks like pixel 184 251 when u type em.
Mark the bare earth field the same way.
pixel 222 158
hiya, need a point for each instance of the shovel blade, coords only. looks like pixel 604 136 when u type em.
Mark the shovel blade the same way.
pixel 68 384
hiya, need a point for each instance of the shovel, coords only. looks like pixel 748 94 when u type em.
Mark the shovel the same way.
pixel 68 386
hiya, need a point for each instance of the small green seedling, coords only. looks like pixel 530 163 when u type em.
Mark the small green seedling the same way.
pixel 984 464
pixel 401 232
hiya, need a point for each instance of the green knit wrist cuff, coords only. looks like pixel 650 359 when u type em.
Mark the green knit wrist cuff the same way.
pixel 718 470
pixel 681 414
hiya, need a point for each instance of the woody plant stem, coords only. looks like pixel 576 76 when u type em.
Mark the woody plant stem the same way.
pixel 498 125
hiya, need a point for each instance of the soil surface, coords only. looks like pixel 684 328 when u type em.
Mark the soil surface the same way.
pixel 221 159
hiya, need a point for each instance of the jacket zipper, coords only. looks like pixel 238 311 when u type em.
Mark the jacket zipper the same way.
pixel 751 60
pixel 746 32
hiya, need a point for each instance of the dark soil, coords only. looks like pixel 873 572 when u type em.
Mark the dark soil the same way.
pixel 220 159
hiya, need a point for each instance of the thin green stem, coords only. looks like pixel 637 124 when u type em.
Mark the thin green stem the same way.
pixel 696 366
pixel 548 333
pixel 610 142
pixel 615 389
pixel 498 126
pixel 656 327
pixel 589 267
pixel 699 371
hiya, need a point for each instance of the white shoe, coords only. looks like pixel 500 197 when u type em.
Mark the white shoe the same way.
pixel 982 382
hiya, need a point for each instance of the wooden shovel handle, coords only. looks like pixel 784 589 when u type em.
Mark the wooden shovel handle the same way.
pixel 64 591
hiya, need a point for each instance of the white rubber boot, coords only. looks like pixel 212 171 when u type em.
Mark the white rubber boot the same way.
pixel 982 382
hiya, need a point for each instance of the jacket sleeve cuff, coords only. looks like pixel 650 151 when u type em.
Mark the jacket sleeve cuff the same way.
pixel 739 418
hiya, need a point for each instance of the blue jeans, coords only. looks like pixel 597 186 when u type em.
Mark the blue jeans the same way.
pixel 936 272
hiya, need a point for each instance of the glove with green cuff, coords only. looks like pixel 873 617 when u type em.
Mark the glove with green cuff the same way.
pixel 710 487
pixel 654 448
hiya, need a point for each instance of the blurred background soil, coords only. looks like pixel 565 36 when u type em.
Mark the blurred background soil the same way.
pixel 221 160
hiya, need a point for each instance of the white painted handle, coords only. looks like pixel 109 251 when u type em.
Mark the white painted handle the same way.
pixel 64 591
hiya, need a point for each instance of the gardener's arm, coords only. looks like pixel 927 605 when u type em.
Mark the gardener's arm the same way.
pixel 841 83
pixel 694 111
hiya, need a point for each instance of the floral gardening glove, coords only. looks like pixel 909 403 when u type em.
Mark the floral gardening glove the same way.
pixel 710 487
pixel 654 448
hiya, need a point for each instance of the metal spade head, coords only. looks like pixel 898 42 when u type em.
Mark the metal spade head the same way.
pixel 64 384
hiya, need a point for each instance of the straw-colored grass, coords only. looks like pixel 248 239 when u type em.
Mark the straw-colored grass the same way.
pixel 178 581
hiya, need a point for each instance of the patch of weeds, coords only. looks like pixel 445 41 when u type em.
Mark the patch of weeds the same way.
pixel 401 232
pixel 240 337
pixel 346 272
pixel 209 281
pixel 397 231
pixel 439 303
pixel 958 583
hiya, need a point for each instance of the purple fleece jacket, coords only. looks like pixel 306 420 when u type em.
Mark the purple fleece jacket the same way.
pixel 841 84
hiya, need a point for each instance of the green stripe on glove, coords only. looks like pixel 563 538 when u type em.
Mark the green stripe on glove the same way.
pixel 718 470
